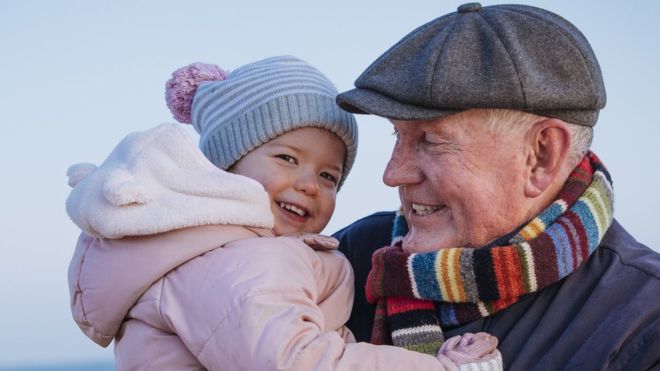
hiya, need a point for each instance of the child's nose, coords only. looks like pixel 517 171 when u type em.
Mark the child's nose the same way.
pixel 307 183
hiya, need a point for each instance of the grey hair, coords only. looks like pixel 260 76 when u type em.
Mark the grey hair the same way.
pixel 519 122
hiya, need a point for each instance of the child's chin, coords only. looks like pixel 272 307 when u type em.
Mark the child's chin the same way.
pixel 281 230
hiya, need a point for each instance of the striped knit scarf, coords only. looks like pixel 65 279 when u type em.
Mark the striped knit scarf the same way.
pixel 416 294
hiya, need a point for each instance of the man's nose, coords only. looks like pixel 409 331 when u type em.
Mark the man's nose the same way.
pixel 402 168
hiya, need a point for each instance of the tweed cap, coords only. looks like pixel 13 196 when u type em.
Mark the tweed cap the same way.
pixel 503 56
pixel 236 112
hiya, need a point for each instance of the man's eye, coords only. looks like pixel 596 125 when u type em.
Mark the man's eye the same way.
pixel 287 158
pixel 330 177
pixel 395 133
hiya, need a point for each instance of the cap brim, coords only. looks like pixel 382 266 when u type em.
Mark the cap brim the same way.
pixel 364 101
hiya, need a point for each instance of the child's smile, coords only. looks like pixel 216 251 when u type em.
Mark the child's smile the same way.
pixel 300 171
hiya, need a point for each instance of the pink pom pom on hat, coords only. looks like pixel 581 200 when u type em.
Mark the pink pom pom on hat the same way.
pixel 180 89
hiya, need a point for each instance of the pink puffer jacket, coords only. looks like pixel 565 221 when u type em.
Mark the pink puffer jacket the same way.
pixel 178 301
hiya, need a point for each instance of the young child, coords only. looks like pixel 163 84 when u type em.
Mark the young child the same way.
pixel 178 260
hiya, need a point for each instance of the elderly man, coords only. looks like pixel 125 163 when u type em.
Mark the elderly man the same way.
pixel 506 219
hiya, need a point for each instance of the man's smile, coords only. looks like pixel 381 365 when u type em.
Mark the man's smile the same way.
pixel 423 210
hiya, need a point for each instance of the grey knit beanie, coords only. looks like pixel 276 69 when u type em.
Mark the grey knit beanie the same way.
pixel 236 112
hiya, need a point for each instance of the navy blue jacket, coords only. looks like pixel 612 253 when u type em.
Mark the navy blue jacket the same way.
pixel 604 316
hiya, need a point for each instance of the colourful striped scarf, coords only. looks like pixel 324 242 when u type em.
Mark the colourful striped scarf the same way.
pixel 416 294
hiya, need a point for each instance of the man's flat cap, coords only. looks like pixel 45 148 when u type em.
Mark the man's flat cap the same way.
pixel 503 56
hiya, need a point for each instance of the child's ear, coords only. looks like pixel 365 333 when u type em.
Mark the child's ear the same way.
pixel 550 142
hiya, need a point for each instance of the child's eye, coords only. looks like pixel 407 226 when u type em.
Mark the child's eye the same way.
pixel 330 177
pixel 287 158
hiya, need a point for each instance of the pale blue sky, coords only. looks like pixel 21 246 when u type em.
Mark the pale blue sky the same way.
pixel 78 75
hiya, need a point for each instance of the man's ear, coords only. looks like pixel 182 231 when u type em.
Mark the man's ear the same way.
pixel 550 142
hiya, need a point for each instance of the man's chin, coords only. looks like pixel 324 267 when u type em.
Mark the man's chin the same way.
pixel 419 243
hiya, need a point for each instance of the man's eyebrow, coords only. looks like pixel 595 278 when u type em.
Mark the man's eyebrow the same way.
pixel 437 130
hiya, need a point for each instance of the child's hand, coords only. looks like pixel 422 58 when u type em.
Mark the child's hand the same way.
pixel 469 350
pixel 316 241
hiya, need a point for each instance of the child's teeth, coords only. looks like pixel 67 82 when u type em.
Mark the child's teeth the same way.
pixel 293 208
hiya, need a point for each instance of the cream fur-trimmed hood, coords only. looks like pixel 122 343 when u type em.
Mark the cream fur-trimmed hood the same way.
pixel 157 181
